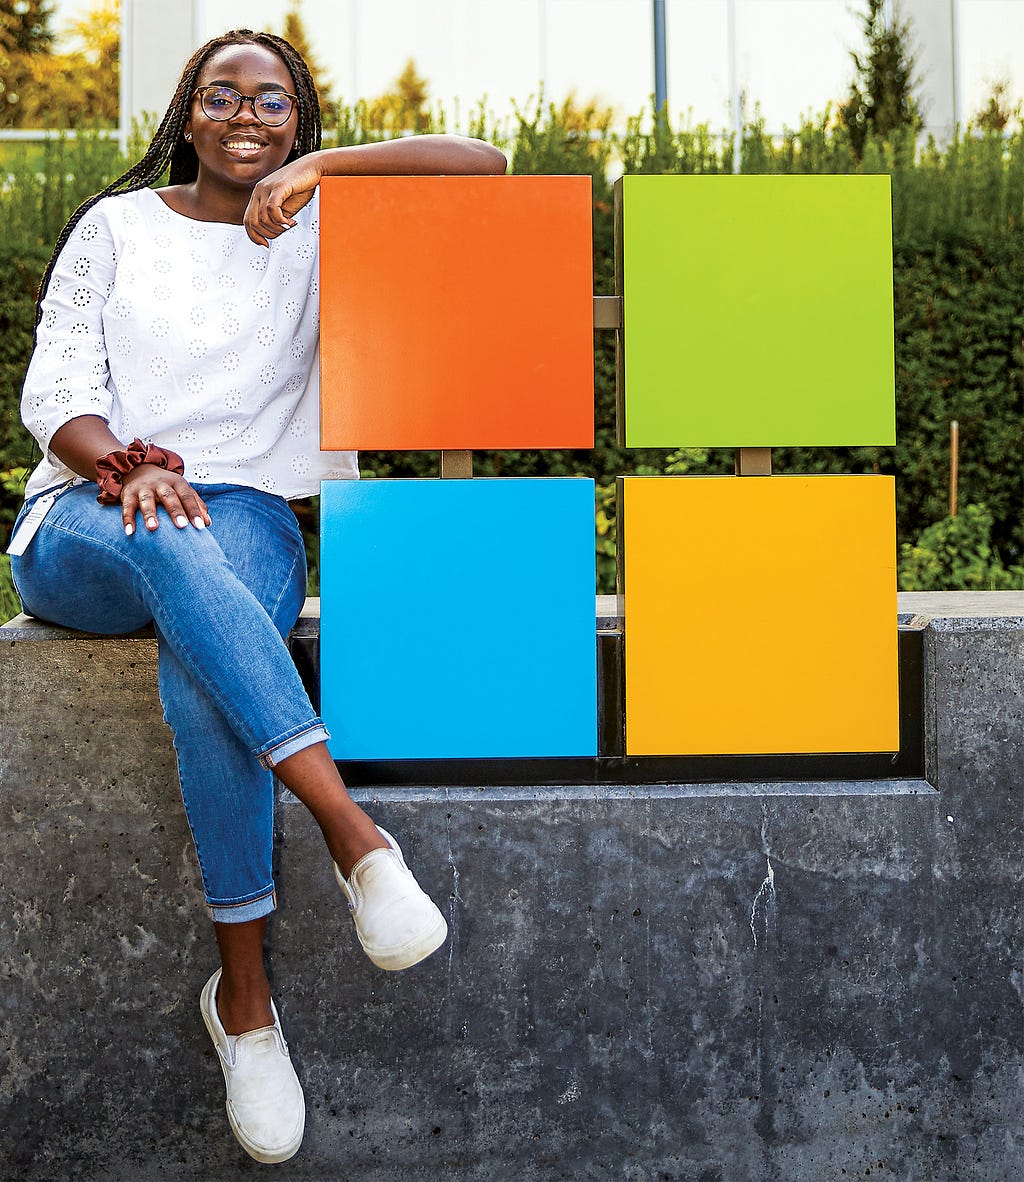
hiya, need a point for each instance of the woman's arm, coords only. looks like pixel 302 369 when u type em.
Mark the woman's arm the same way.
pixel 66 401
pixel 412 155
pixel 81 441
pixel 278 197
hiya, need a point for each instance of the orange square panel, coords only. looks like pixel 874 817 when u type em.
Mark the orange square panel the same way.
pixel 760 614
pixel 456 312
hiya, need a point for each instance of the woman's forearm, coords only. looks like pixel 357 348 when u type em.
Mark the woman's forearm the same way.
pixel 429 155
pixel 81 442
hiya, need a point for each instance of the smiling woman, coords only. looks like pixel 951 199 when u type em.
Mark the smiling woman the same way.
pixel 235 145
pixel 174 372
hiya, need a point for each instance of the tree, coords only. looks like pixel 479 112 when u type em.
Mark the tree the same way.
pixel 77 87
pixel 25 26
pixel 404 108
pixel 296 36
pixel 412 86
pixel 882 99
pixel 94 60
pixel 998 112
pixel 97 36
pixel 25 36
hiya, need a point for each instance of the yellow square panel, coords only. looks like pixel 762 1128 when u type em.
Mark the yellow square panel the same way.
pixel 760 614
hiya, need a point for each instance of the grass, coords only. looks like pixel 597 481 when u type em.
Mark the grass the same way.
pixel 10 605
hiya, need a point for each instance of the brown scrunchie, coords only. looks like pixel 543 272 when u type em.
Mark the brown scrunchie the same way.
pixel 113 468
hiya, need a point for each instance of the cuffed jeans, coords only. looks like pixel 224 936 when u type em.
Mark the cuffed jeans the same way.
pixel 222 599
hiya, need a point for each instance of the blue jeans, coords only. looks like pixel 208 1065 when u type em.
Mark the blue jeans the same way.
pixel 222 599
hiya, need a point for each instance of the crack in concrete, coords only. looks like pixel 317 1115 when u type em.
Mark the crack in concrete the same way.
pixel 766 895
pixel 454 899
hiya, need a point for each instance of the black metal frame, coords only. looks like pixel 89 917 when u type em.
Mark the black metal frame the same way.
pixel 612 766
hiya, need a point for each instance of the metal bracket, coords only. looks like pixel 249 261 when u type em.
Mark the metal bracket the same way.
pixel 456 465
pixel 607 311
pixel 753 461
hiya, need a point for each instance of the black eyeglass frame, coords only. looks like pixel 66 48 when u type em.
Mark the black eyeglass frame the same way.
pixel 201 91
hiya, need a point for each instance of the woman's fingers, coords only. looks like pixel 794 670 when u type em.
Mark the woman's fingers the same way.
pixel 167 495
pixel 129 507
pixel 272 209
pixel 145 500
pixel 277 198
pixel 265 217
pixel 194 505
pixel 147 487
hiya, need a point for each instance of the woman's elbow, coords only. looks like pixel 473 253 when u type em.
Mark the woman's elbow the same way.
pixel 478 157
pixel 495 160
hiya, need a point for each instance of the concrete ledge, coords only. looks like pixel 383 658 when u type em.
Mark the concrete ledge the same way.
pixel 948 607
pixel 923 607
pixel 733 982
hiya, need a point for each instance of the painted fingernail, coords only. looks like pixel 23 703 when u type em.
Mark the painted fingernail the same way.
pixel 181 521
pixel 129 529
pixel 151 522
pixel 199 523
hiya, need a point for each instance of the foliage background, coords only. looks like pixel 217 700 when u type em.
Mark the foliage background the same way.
pixel 74 84
pixel 958 241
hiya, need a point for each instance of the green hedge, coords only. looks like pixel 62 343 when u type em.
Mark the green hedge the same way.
pixel 956 554
pixel 958 224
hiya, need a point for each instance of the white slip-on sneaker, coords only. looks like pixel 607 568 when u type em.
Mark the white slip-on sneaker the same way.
pixel 266 1108
pixel 397 923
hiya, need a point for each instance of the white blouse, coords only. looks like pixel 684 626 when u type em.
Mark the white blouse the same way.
pixel 188 335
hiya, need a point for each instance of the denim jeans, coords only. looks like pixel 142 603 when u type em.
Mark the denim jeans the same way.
pixel 222 599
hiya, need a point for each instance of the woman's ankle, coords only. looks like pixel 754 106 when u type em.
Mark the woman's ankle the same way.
pixel 350 844
pixel 243 1005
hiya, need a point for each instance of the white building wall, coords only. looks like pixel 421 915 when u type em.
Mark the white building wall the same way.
pixel 157 38
pixel 935 36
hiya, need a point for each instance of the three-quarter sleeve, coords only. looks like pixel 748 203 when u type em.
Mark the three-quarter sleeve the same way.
pixel 68 374
pixel 186 334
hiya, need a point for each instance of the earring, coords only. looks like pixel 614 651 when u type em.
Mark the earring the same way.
pixel 188 137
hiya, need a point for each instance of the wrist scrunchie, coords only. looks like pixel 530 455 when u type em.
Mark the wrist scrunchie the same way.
pixel 111 469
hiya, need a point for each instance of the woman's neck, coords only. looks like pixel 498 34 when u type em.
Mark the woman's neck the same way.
pixel 208 203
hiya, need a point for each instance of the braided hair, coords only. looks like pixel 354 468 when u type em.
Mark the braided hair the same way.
pixel 169 146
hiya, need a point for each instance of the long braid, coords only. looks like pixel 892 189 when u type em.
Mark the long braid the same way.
pixel 169 147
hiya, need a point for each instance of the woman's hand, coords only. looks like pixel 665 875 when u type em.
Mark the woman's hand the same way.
pixel 278 197
pixel 147 486
pixel 85 439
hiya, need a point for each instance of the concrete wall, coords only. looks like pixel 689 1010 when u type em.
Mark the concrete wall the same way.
pixel 727 982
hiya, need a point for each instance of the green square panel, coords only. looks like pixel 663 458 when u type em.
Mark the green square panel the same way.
pixel 757 311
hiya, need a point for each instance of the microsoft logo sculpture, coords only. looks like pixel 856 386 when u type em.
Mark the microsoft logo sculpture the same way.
pixel 458 314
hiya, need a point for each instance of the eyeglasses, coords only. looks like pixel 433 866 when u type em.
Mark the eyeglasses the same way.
pixel 272 107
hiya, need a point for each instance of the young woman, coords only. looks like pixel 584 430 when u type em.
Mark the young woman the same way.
pixel 175 367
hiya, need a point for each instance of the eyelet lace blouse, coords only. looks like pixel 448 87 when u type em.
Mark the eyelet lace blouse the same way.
pixel 188 335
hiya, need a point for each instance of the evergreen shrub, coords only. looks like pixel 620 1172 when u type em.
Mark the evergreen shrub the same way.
pixel 956 554
pixel 958 225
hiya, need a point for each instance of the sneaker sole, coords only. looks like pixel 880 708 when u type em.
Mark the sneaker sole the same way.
pixel 417 949
pixel 261 1155
pixel 254 1151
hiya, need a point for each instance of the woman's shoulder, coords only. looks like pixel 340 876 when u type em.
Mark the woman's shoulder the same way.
pixel 117 211
pixel 118 205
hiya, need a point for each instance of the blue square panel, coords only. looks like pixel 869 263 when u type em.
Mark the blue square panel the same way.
pixel 425 649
